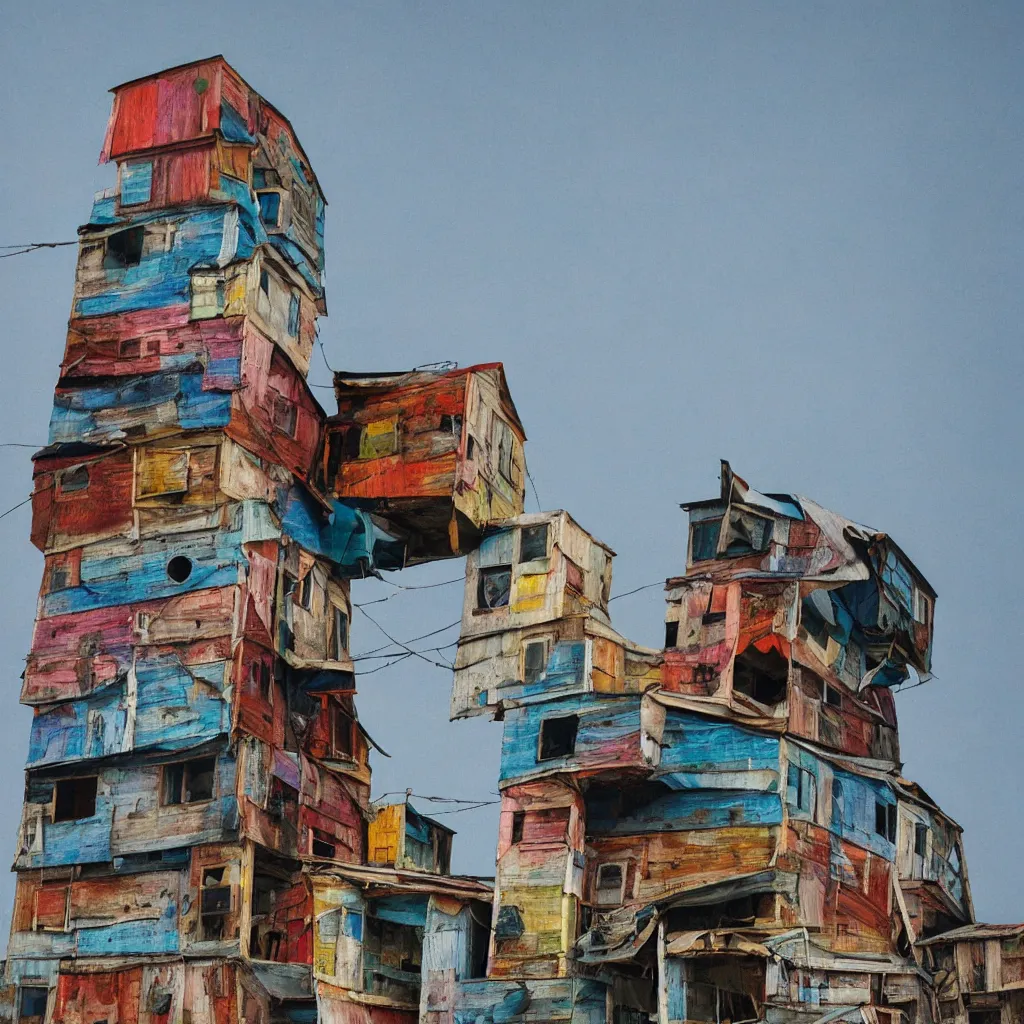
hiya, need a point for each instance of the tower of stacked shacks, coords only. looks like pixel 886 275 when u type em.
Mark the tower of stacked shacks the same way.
pixel 718 831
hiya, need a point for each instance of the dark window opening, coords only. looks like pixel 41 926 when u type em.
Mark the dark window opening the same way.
pixel 451 425
pixel 833 697
pixel 747 533
pixel 270 208
pixel 285 415
pixel 533 543
pixel 75 799
pixel 323 844
pixel 265 282
pixel 214 904
pixel 558 737
pixel 265 177
pixel 306 591
pixel 470 447
pixel 518 821
pixel 814 624
pixel 480 940
pixel 535 657
pixel 885 820
pixel 741 912
pixel 124 249
pixel 704 539
pixel 293 316
pixel 76 479
pixel 342 731
pixel 921 839
pixel 339 635
pixel 32 1004
pixel 763 676
pixel 495 587
pixel 188 782
pixel 671 633
pixel 179 568
pixel 802 784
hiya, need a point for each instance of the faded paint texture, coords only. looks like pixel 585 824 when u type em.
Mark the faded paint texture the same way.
pixel 715 831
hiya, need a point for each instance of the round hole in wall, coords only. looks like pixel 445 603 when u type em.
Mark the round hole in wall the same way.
pixel 179 568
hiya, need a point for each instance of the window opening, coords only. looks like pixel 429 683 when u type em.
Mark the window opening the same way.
pixel 323 844
pixel 124 249
pixel 558 737
pixel 704 539
pixel 214 903
pixel 339 635
pixel 32 1004
pixel 671 633
pixel 188 782
pixel 470 448
pixel 518 821
pixel 885 820
pixel 609 884
pixel 763 676
pixel 270 208
pixel 833 697
pixel 802 788
pixel 293 315
pixel 533 543
pixel 285 415
pixel 342 727
pixel 495 587
pixel 74 479
pixel 921 839
pixel 260 675
pixel 74 799
pixel 503 444
pixel 265 283
pixel 535 658
pixel 451 425
pixel 179 568
pixel 306 591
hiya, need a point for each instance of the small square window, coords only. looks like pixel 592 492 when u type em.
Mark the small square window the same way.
pixel 833 697
pixel 32 1004
pixel 533 543
pixel 323 844
pixel 558 737
pixel 124 249
pixel 188 782
pixel 885 820
pixel 535 658
pixel 451 425
pixel 495 587
pixel 74 479
pixel 75 799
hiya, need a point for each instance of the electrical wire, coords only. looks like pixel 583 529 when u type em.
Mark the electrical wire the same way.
pixel 660 583
pixel 20 250
pixel 15 507
pixel 405 647
pixel 377 650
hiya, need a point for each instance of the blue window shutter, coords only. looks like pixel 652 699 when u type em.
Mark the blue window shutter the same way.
pixel 136 183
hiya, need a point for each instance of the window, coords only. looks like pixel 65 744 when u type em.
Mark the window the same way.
pixel 494 587
pixel 802 789
pixel 261 679
pixel 74 799
pixel 558 737
pixel 270 208
pixel 179 568
pixel 323 844
pixel 265 177
pixel 470 448
pixel 306 591
pixel 32 1004
pixel 921 840
pixel 136 182
pixel 161 472
pixel 285 415
pixel 764 676
pixel 897 576
pixel 214 903
pixel 533 543
pixel 293 315
pixel 451 425
pixel 671 633
pixel 503 446
pixel 188 782
pixel 838 805
pixel 339 635
pixel 74 479
pixel 922 606
pixel 342 729
pixel 833 697
pixel 124 249
pixel 573 576
pixel 609 884
pixel 518 821
pixel 535 657
pixel 265 283
pixel 64 570
pixel 379 439
pixel 885 820
pixel 704 539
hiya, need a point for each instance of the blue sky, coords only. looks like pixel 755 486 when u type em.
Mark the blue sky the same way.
pixel 784 234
